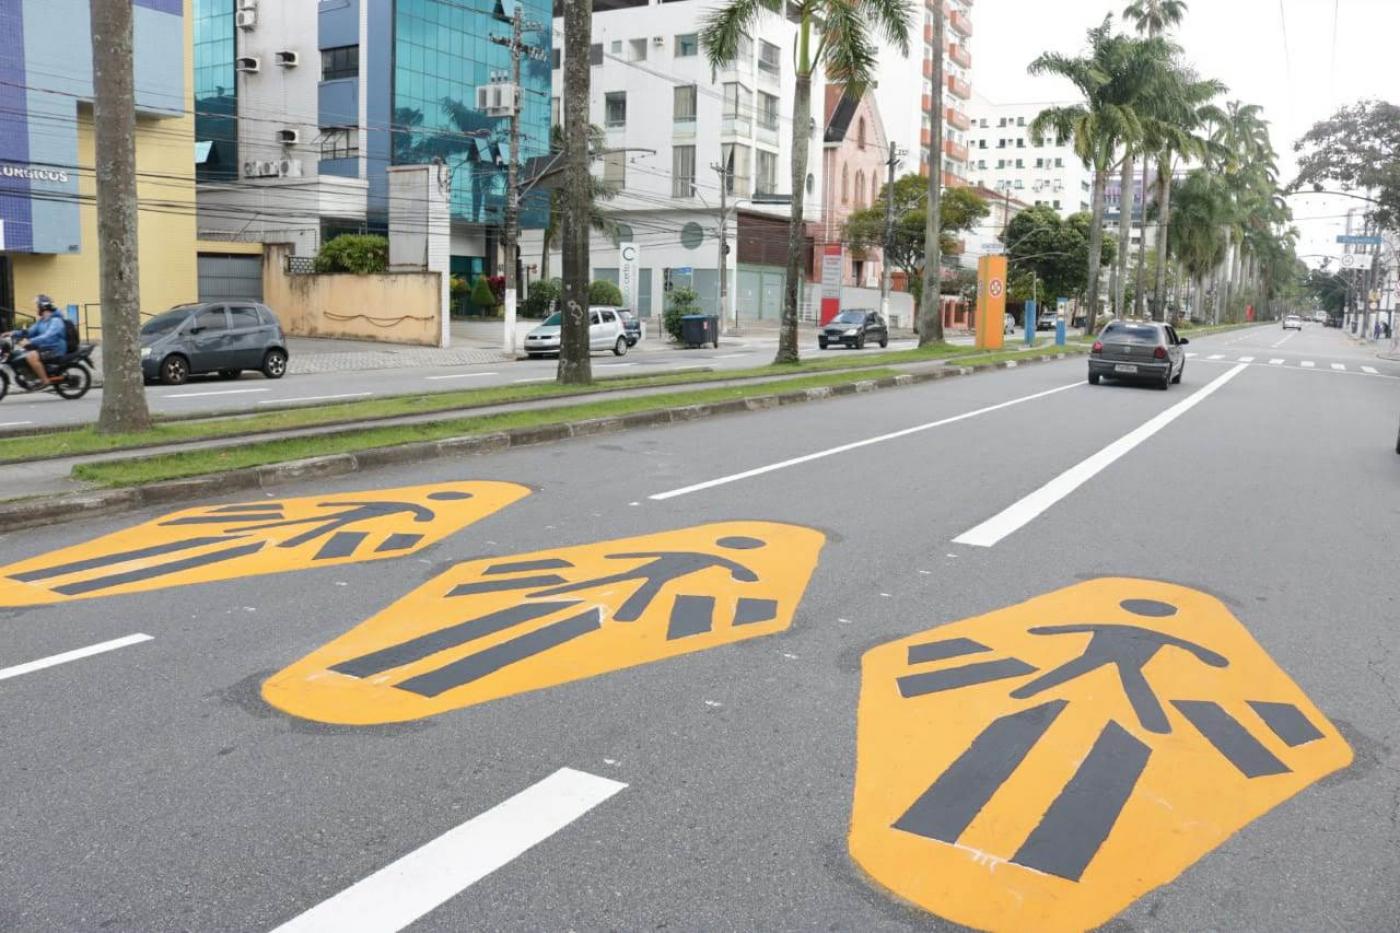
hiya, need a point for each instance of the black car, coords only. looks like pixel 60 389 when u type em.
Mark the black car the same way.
pixel 853 328
pixel 213 337
pixel 631 326
pixel 1145 351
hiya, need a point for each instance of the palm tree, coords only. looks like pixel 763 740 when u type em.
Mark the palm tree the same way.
pixel 1095 127
pixel 1249 166
pixel 846 51
pixel 1154 17
pixel 1196 236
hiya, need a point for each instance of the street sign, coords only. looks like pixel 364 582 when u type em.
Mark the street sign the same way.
pixel 501 626
pixel 1043 766
pixel 1357 240
pixel 1350 260
pixel 833 272
pixel 628 258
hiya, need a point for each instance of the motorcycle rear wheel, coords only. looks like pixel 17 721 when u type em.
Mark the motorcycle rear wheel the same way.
pixel 4 383
pixel 76 382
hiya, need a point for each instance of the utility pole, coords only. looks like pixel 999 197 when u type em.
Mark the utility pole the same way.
pixel 575 367
pixel 931 303
pixel 892 163
pixel 114 120
pixel 511 234
pixel 725 170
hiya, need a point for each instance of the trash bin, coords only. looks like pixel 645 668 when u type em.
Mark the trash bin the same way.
pixel 700 329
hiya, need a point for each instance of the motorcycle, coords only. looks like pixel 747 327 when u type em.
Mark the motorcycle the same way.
pixel 75 370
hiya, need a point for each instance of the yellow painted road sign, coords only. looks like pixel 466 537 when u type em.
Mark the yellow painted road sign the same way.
pixel 225 542
pixel 494 628
pixel 1043 766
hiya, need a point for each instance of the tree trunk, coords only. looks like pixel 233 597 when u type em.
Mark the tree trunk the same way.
pixel 1125 230
pixel 797 240
pixel 114 120
pixel 931 299
pixel 575 366
pixel 1138 297
pixel 1164 201
pixel 1095 252
pixel 546 240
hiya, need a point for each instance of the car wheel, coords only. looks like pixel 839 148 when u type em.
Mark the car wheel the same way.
pixel 1166 382
pixel 860 342
pixel 1093 379
pixel 230 373
pixel 884 341
pixel 275 364
pixel 174 370
pixel 620 348
pixel 1179 373
pixel 821 343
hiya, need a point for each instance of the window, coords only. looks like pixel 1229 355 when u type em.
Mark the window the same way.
pixel 845 185
pixel 745 49
pixel 981 163
pixel 1040 163
pixel 860 190
pixel 687 45
pixel 767 180
pixel 1001 144
pixel 1021 143
pixel 1019 185
pixel 738 101
pixel 341 62
pixel 1020 121
pixel 615 108
pixel 1001 163
pixel 874 189
pixel 1059 163
pixel 556 112
pixel 556 58
pixel 615 47
pixel 595 54
pixel 243 316
pixel 769 58
pixel 767 111
pixel 860 132
pixel 340 142
pixel 982 122
pixel 1020 163
pixel 615 170
pixel 682 171
pixel 981 144
pixel 683 107
pixel 211 319
pixel 1056 205
pixel 737 159
pixel 637 50
pixel 1001 122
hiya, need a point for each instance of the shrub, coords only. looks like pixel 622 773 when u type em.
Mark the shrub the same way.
pixel 680 302
pixel 543 295
pixel 483 297
pixel 360 254
pixel 603 292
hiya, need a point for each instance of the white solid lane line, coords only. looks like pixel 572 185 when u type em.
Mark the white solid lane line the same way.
pixel 1339 367
pixel 313 398
pixel 832 451
pixel 400 893
pixel 16 424
pixel 76 654
pixel 1370 370
pixel 540 379
pixel 1309 364
pixel 1021 513
pixel 462 376
pixel 1276 362
pixel 205 394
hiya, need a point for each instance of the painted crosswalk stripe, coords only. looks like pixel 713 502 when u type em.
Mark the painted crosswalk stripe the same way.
pixel 1309 364
pixel 1275 362
pixel 1339 367
pixel 400 893
pixel 76 654
pixel 1371 370
pixel 1216 356
pixel 1246 359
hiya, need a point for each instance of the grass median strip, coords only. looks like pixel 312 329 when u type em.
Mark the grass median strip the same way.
pixel 86 440
pixel 203 461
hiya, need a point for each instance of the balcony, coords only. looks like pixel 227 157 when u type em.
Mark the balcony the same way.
pixel 959 88
pixel 951 180
pixel 958 120
pixel 960 23
pixel 955 151
pixel 960 54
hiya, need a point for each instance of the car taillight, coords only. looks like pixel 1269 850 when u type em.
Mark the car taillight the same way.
pixel 1160 353
pixel 1098 347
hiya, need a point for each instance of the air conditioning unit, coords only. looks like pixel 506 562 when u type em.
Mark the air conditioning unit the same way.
pixel 247 4
pixel 246 19
pixel 248 64
pixel 250 169
pixel 497 99
pixel 659 41
pixel 288 59
pixel 260 169
pixel 288 137
pixel 289 168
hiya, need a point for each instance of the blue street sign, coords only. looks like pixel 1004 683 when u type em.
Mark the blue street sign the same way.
pixel 1355 240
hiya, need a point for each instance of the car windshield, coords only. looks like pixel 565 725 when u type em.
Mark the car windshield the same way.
pixel 849 317
pixel 1132 333
pixel 552 320
pixel 164 323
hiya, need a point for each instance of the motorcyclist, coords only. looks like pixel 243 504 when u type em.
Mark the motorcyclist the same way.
pixel 44 339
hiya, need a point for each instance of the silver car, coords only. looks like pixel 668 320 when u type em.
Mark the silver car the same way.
pixel 606 331
pixel 1143 351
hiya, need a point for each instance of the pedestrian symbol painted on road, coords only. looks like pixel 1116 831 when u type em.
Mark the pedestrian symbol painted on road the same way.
pixel 1043 766
pixel 493 628
pixel 226 542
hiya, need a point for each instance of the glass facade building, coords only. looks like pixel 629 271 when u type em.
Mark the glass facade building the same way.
pixel 215 91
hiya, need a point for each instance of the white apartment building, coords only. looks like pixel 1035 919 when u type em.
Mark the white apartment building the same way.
pixel 902 92
pixel 1003 157
pixel 670 122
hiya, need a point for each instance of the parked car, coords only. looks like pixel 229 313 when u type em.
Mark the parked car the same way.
pixel 605 332
pixel 631 326
pixel 853 328
pixel 1140 351
pixel 213 337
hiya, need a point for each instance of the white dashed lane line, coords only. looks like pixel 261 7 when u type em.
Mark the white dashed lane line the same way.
pixel 76 654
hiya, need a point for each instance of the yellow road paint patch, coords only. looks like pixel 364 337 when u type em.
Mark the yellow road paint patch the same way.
pixel 493 628
pixel 225 542
pixel 1043 766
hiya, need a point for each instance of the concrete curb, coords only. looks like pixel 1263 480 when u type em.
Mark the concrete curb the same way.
pixel 49 510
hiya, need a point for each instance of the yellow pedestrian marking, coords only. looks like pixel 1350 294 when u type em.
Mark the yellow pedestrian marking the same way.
pixel 1043 766
pixel 493 628
pixel 225 542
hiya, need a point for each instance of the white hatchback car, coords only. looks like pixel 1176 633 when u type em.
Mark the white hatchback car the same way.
pixel 606 332
pixel 1292 322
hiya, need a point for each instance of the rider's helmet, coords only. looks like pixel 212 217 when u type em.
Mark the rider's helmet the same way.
pixel 44 303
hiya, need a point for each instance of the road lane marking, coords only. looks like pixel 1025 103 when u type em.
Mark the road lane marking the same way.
pixel 1276 362
pixel 615 365
pixel 1191 354
pixel 1369 370
pixel 1339 367
pixel 16 424
pixel 1286 338
pixel 462 376
pixel 1022 512
pixel 76 654
pixel 540 379
pixel 206 394
pixel 1308 364
pixel 313 398
pixel 1246 359
pixel 855 445
pixel 1216 356
pixel 424 879
pixel 732 356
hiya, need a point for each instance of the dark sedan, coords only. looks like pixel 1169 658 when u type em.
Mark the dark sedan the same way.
pixel 213 337
pixel 853 328
pixel 1143 351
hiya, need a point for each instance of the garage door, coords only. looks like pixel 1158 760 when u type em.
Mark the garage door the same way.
pixel 229 277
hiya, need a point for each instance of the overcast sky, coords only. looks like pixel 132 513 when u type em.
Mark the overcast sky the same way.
pixel 1240 42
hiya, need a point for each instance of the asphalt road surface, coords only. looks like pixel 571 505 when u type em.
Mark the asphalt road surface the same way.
pixel 798 696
